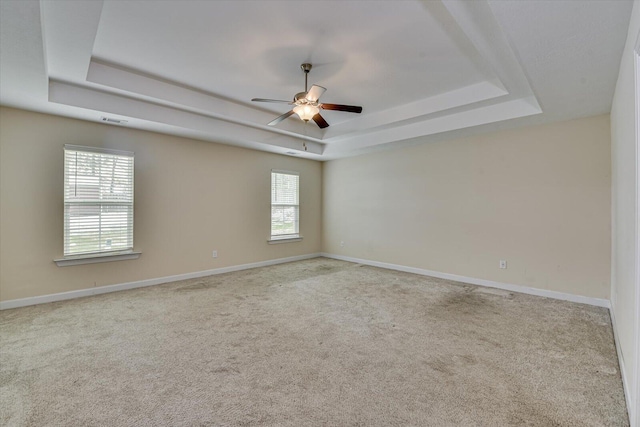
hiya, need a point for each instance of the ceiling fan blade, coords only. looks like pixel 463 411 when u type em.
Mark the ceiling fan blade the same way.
pixel 280 118
pixel 320 121
pixel 271 100
pixel 339 107
pixel 315 93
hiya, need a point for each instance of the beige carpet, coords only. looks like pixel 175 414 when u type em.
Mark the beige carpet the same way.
pixel 318 342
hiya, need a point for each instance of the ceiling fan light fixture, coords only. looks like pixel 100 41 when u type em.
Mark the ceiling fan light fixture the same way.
pixel 306 111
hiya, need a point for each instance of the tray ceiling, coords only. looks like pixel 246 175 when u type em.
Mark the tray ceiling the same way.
pixel 419 69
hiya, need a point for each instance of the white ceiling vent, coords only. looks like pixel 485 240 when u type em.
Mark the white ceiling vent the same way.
pixel 112 120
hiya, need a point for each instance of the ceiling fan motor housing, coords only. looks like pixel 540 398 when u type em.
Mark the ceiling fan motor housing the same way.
pixel 301 98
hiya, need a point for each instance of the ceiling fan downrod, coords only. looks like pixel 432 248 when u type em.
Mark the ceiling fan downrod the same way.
pixel 306 68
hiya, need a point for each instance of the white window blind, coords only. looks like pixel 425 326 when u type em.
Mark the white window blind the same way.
pixel 285 205
pixel 98 201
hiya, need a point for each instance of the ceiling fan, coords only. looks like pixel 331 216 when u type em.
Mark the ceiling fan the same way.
pixel 306 104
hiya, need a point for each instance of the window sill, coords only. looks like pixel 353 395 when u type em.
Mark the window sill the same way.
pixel 92 259
pixel 275 240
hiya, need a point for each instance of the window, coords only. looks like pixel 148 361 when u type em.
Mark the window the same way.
pixel 285 205
pixel 98 201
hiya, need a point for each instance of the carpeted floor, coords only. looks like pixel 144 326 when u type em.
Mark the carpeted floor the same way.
pixel 317 342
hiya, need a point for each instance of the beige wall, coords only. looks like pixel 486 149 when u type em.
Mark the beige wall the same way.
pixel 191 197
pixel 624 176
pixel 538 197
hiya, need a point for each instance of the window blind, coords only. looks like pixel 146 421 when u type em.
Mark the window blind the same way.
pixel 98 201
pixel 285 206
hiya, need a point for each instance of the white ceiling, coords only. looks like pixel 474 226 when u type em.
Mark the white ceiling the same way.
pixel 420 69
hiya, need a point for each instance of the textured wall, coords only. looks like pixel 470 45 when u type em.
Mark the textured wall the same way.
pixel 191 197
pixel 538 197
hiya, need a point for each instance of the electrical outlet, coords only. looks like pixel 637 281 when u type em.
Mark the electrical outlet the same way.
pixel 341 244
pixel 503 263
pixel 215 254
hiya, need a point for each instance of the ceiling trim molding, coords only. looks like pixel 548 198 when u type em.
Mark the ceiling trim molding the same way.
pixel 497 112
pixel 225 132
pixel 418 110
pixel 192 99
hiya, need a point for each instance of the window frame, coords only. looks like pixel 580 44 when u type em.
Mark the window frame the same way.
pixel 101 254
pixel 291 237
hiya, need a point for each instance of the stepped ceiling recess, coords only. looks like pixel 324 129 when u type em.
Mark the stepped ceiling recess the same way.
pixel 421 70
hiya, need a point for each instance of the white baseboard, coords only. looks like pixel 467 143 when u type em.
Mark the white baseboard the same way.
pixel 625 384
pixel 599 302
pixel 23 302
